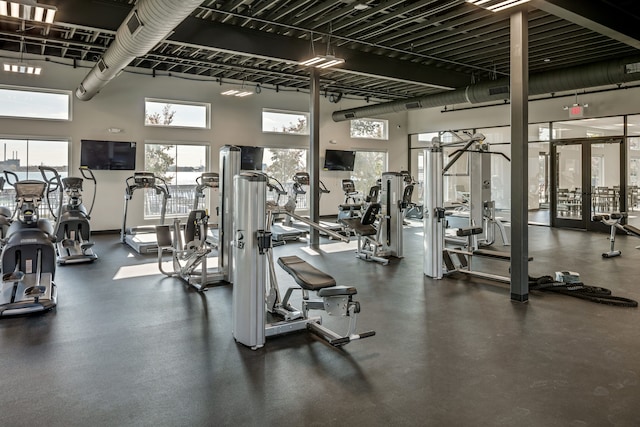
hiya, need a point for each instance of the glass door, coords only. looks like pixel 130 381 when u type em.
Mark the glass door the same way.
pixel 588 180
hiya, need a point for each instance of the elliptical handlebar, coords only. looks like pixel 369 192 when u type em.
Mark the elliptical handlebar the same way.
pixel 53 184
pixel 87 174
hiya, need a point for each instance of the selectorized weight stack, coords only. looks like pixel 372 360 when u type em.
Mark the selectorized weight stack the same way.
pixel 250 265
pixel 255 286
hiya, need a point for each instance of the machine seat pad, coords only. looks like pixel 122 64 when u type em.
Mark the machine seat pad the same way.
pixel 618 215
pixel 356 225
pixel 468 231
pixel 337 291
pixel 306 275
pixel 349 207
pixel 632 230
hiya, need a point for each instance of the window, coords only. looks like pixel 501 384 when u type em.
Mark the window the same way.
pixel 370 129
pixel 287 122
pixel 368 168
pixel 23 156
pixel 158 112
pixel 282 164
pixel 179 165
pixel 35 104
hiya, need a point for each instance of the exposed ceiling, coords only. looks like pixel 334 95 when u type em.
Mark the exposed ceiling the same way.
pixel 393 49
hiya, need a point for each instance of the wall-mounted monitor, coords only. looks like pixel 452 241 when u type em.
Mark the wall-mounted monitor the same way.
pixel 339 160
pixel 251 158
pixel 108 155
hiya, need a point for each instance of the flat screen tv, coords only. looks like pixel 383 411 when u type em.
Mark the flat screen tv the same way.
pixel 339 160
pixel 251 158
pixel 108 155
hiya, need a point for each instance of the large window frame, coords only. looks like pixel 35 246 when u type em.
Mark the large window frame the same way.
pixel 180 176
pixel 377 129
pixel 24 155
pixel 164 112
pixel 274 119
pixel 14 99
pixel 367 170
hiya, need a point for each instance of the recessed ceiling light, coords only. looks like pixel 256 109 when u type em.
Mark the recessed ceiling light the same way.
pixel 360 6
pixel 547 59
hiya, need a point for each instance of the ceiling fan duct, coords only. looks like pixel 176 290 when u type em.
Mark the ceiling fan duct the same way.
pixel 148 23
pixel 580 77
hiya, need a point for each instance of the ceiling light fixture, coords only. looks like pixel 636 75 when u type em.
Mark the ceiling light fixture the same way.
pixel 238 93
pixel 29 10
pixel 22 68
pixel 322 61
pixel 496 5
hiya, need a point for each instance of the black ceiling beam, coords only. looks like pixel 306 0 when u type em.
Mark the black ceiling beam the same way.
pixel 596 16
pixel 246 41
pixel 194 31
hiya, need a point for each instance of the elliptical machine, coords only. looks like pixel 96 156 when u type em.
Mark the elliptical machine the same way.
pixel 72 230
pixel 28 255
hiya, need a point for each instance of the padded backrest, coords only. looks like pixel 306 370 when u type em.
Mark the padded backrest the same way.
pixel 408 193
pixel 370 214
pixel 192 229
pixel 373 194
pixel 348 186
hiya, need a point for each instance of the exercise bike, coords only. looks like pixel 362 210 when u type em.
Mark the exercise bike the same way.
pixel 28 255
pixel 72 229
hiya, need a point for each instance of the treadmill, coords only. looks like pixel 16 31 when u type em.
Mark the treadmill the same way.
pixel 301 179
pixel 143 239
pixel 281 233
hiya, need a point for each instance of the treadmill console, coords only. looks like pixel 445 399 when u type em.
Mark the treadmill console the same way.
pixel 144 179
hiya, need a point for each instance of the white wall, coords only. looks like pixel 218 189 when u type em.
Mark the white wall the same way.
pixel 234 121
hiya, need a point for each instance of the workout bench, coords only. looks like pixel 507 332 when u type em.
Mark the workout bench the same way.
pixel 336 300
pixel 614 221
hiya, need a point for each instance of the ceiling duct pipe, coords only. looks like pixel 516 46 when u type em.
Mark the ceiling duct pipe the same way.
pixel 147 24
pixel 573 78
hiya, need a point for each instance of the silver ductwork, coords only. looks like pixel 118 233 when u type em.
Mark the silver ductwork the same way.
pixel 147 24
pixel 573 78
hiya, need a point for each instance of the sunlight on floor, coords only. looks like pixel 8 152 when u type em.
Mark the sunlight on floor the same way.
pixel 151 269
pixel 330 248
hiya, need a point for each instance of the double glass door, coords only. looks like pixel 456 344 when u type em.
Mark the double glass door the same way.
pixel 588 179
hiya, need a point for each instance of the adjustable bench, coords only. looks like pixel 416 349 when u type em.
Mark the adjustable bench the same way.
pixel 614 221
pixel 336 300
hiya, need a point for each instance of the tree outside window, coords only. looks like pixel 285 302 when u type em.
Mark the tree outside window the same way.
pixel 369 128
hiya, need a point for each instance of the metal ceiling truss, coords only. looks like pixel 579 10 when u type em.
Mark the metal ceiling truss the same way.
pixel 393 49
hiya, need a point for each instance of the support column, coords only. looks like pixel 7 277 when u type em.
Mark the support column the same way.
pixel 314 157
pixel 519 156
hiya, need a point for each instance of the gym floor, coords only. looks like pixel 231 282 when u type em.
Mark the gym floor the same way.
pixel 127 347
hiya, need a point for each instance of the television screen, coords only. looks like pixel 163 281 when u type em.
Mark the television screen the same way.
pixel 339 160
pixel 108 155
pixel 251 158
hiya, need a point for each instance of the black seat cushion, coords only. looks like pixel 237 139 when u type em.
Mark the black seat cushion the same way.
pixel 306 275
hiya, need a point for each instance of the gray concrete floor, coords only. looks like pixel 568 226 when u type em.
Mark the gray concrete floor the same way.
pixel 127 347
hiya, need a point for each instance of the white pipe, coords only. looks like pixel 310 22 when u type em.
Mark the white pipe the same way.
pixel 157 18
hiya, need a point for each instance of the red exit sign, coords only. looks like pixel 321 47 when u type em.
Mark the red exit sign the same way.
pixel 576 111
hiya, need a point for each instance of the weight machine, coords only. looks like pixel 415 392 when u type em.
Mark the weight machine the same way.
pixel 253 258
pixel 386 240
pixel 188 245
pixel 438 259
